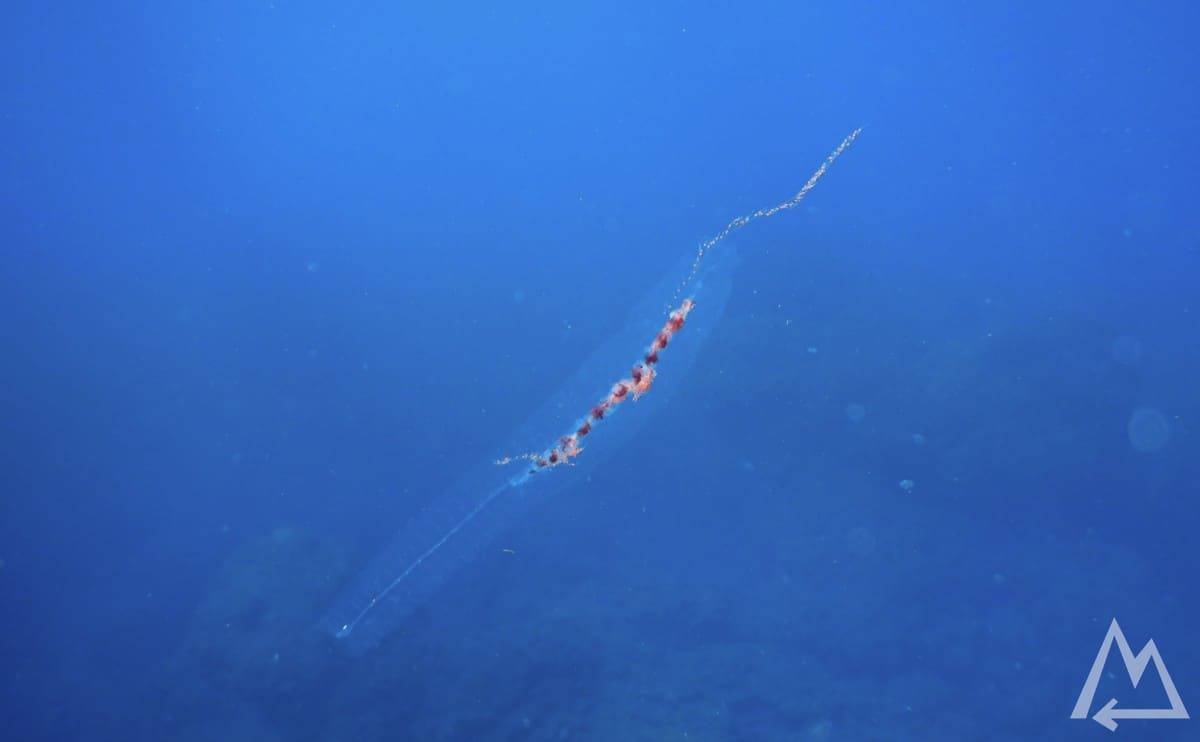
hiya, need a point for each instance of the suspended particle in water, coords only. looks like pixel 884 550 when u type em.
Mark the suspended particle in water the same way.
pixel 855 412
pixel 1149 430
pixel 907 485
pixel 821 730
pixel 918 439
pixel 1126 350
pixel 861 541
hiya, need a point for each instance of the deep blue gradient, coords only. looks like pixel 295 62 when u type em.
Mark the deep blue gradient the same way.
pixel 275 274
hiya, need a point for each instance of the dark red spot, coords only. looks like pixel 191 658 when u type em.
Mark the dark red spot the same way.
pixel 620 391
pixel 584 429
pixel 676 322
pixel 554 458
pixel 661 340
pixel 637 374
pixel 541 462
pixel 598 412
pixel 651 358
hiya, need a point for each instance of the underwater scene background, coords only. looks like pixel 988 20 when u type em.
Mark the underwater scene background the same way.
pixel 278 275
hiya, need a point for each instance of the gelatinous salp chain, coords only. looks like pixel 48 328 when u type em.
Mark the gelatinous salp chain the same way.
pixel 640 379
pixel 642 376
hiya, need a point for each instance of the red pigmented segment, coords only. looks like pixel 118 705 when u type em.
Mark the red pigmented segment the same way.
pixel 641 377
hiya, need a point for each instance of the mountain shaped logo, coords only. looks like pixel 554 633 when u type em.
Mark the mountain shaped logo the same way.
pixel 1135 665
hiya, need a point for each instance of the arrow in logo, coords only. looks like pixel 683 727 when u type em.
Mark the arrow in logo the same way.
pixel 1107 716
pixel 1135 665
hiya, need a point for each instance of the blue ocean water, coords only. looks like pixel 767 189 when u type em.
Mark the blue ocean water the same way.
pixel 276 274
